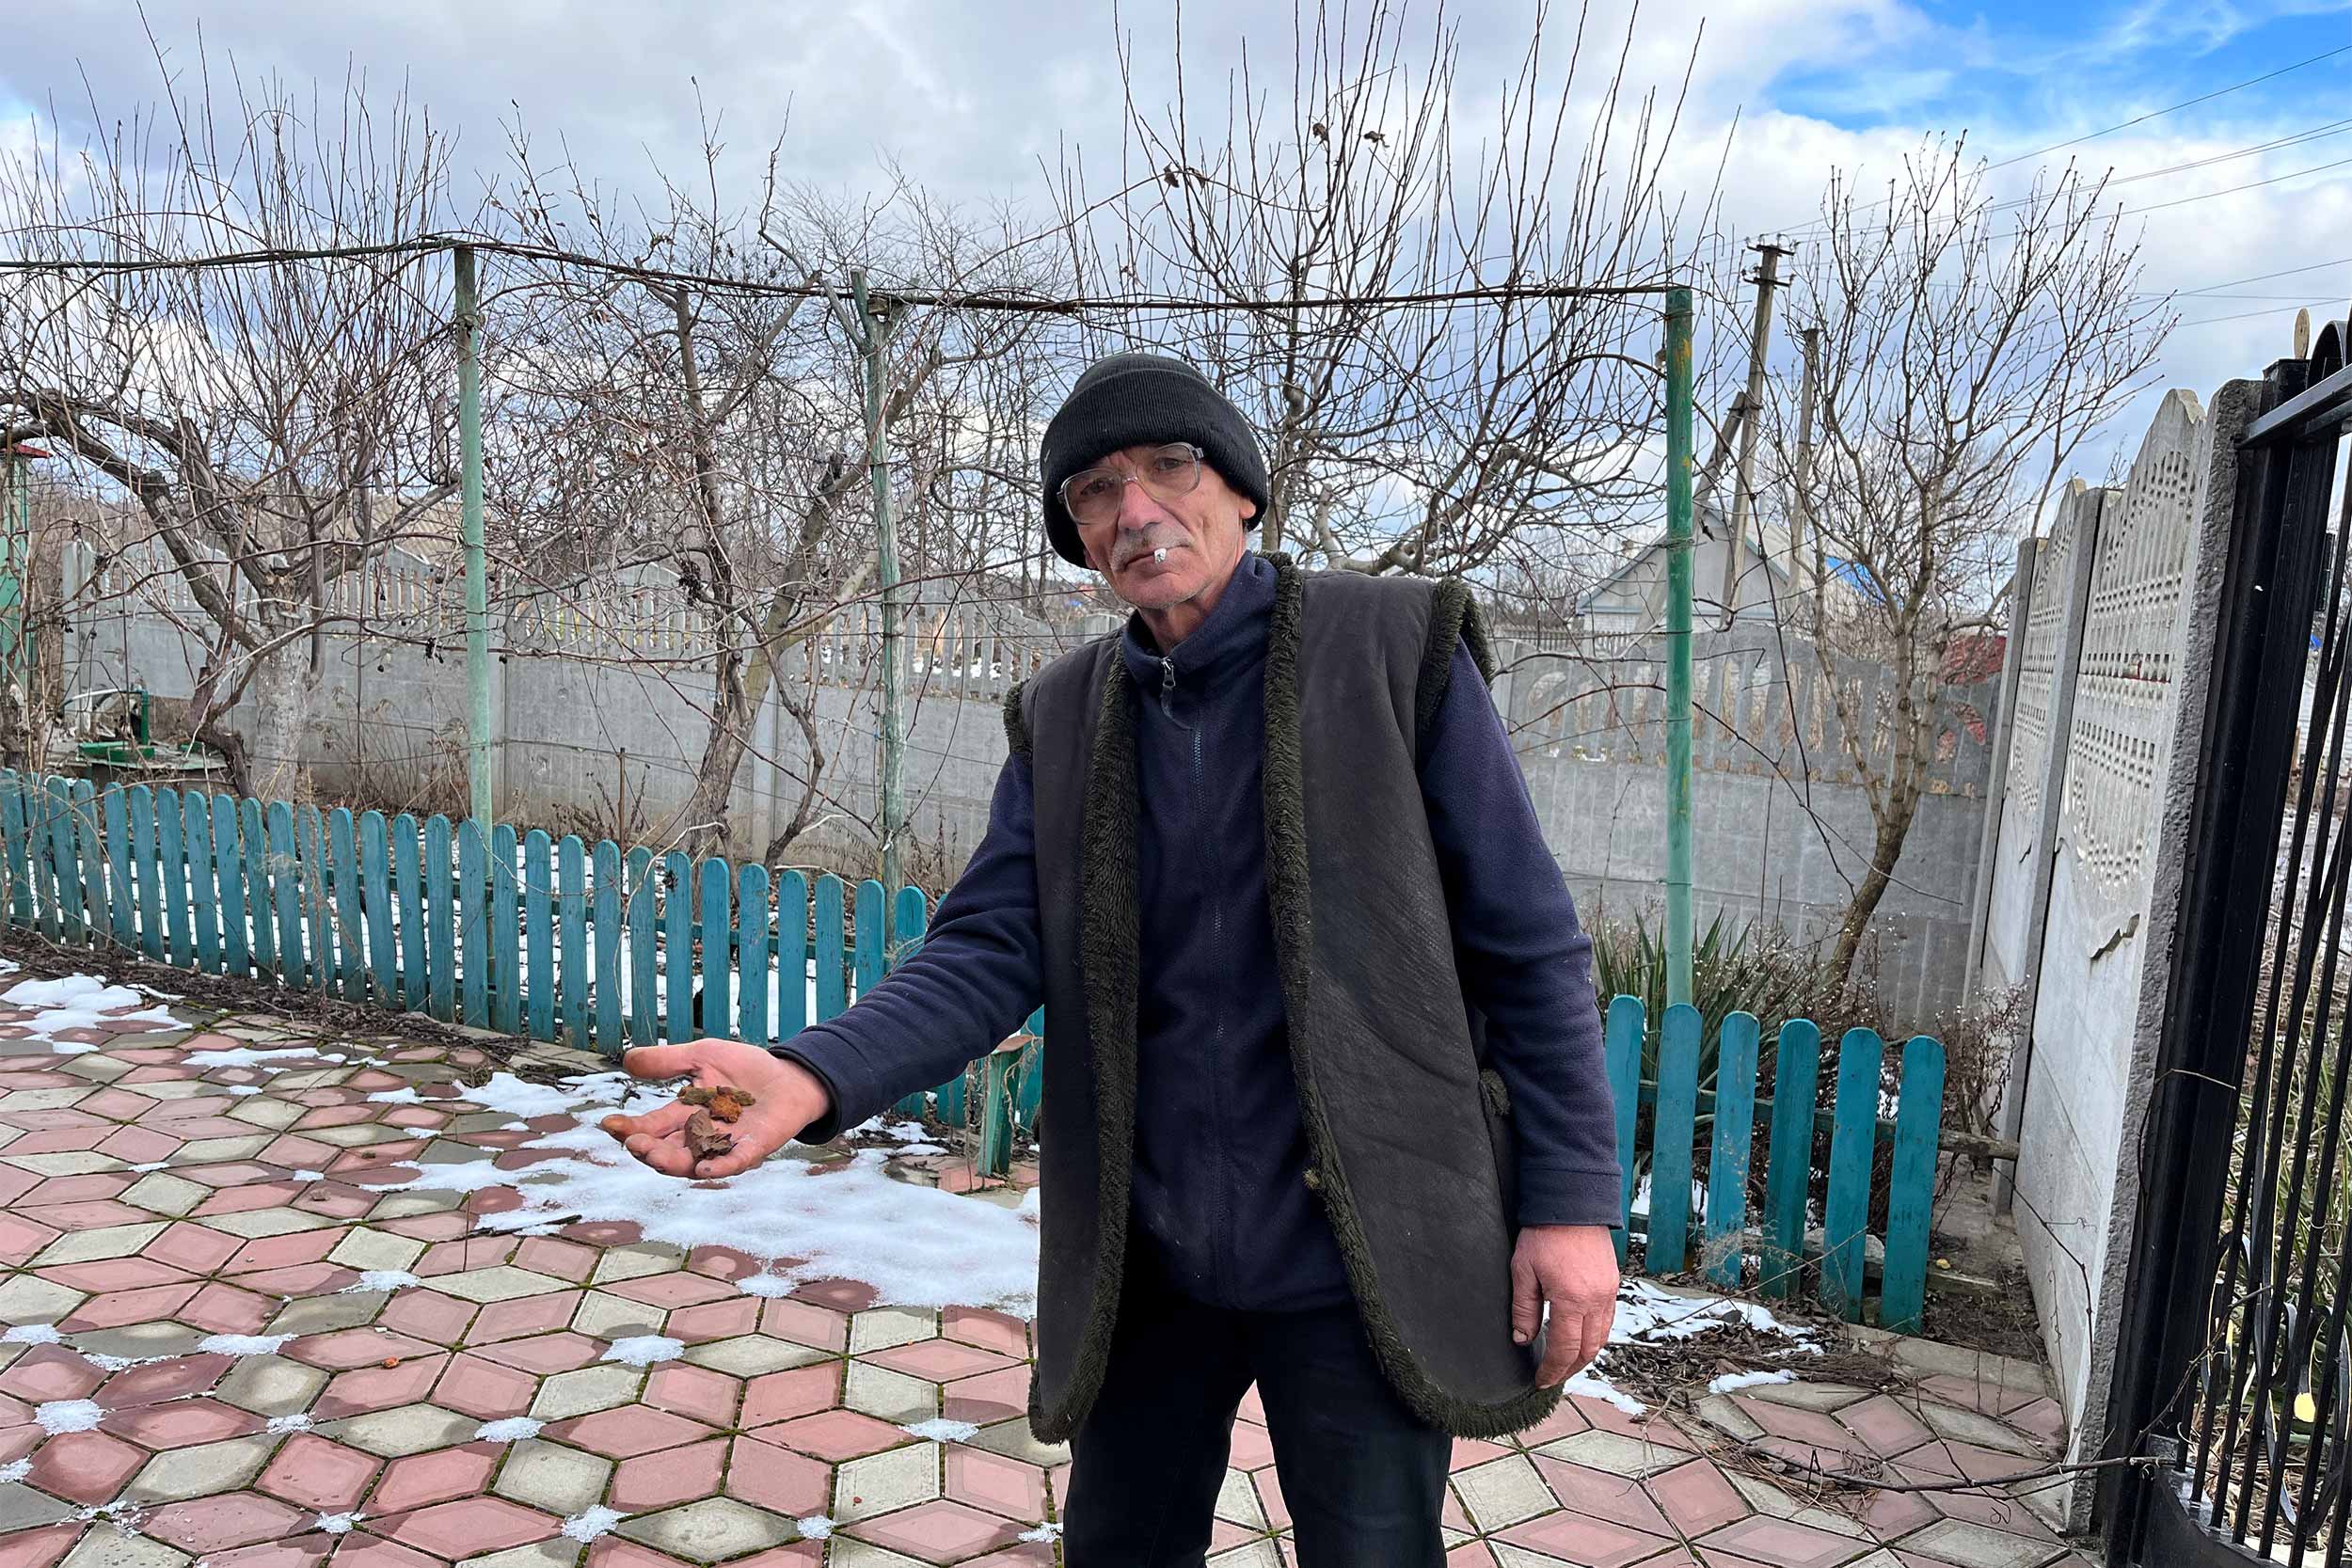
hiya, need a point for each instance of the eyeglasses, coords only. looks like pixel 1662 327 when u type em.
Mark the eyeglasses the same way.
pixel 1095 495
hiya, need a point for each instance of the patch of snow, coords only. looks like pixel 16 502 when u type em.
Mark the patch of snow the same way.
pixel 815 1527
pixel 15 1470
pixel 105 1363
pixel 768 1284
pixel 1047 1532
pixel 1647 1315
pixel 514 1429
pixel 644 1350
pixel 381 1279
pixel 242 1056
pixel 915 1246
pixel 298 1421
pixel 308 1175
pixel 243 1344
pixel 241 1089
pixel 152 1165
pixel 77 1002
pixel 32 1333
pixel 939 1430
pixel 1028 1207
pixel 592 1523
pixel 1592 1385
pixel 1731 1382
pixel 336 1523
pixel 67 1416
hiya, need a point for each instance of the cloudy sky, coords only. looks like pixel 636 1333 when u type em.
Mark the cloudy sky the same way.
pixel 972 98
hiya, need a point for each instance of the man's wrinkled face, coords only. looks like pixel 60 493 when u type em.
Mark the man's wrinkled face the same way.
pixel 1204 531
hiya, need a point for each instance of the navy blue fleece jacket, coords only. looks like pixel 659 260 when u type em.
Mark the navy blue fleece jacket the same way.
pixel 1221 1151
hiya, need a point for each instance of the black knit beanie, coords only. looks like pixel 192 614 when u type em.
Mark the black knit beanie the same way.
pixel 1125 399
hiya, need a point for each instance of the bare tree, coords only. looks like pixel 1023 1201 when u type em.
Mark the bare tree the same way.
pixel 718 430
pixel 1967 347
pixel 1470 432
pixel 274 423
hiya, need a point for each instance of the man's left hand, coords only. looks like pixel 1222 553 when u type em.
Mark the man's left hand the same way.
pixel 1574 1268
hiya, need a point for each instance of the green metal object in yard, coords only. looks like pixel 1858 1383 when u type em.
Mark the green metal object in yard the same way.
pixel 1677 645
pixel 110 733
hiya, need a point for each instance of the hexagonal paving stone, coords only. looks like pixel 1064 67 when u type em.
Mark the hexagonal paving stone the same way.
pixel 629 1431
pixel 673 1476
pixel 711 1531
pixel 880 1483
pixel 318 1474
pixel 409 1429
pixel 561 1479
pixel 586 1391
pixel 769 1477
pixel 939 1531
pixel 469 1527
pixel 202 1471
pixel 836 1434
pixel 233 1519
pixel 420 1480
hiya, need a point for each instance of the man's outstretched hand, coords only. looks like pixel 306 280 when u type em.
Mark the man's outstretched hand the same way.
pixel 785 1098
pixel 1572 1269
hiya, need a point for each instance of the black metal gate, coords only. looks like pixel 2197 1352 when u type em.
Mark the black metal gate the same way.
pixel 2231 1420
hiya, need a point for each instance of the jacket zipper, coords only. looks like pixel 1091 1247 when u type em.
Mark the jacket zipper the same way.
pixel 1218 1205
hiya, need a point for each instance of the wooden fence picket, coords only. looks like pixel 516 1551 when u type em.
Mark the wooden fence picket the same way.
pixel 228 864
pixel 572 892
pixel 285 890
pixel 1671 1134
pixel 539 934
pixel 375 892
pixel 473 925
pixel 1791 1160
pixel 718 956
pixel 606 927
pixel 441 921
pixel 12 822
pixel 351 929
pixel 408 898
pixel 1728 1159
pixel 832 994
pixel 1853 1143
pixel 92 855
pixel 506 974
pixel 1910 1185
pixel 791 956
pixel 752 987
pixel 65 863
pixel 1622 1041
pixel 125 910
pixel 643 978
pixel 677 944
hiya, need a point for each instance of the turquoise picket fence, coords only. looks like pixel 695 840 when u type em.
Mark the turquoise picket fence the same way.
pixel 587 945
pixel 1712 1227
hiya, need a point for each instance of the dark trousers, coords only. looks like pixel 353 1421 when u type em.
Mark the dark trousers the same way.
pixel 1363 1477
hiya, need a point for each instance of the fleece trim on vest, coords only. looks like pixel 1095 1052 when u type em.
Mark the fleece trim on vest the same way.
pixel 1455 1368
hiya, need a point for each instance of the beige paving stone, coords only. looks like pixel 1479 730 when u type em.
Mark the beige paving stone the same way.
pixel 1260 1554
pixel 1808 1396
pixel 1502 1492
pixel 1765 1497
pixel 303 1080
pixel 549 1476
pixel 403 1430
pixel 1237 1501
pixel 1612 1451
pixel 22 1508
pixel 161 1193
pixel 42 1099
pixel 1970 1427
pixel 501 1282
pixel 401 1206
pixel 750 1354
pixel 849 1552
pixel 1975 1545
pixel 711 1531
pixel 894 1478
pixel 139 1342
pixel 364 1248
pixel 880 1328
pixel 97 1065
pixel 92 1246
pixel 1014 1440
pixel 173 1088
pixel 255 1224
pixel 71 1163
pixel 200 1470
pixel 638 1260
pixel 562 1552
pixel 888 1396
pixel 1718 1411
pixel 603 1315
pixel 271 1385
pixel 205 1152
pixel 29 1299
pixel 358 1135
pixel 109 1547
pixel 261 1111
pixel 323 1314
pixel 585 1390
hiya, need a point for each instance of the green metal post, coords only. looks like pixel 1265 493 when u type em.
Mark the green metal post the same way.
pixel 477 574
pixel 16 555
pixel 1677 647
pixel 874 337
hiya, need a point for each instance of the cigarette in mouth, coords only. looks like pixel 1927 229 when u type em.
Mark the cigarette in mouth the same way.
pixel 1159 557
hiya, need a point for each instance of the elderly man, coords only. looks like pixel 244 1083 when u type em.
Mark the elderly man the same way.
pixel 1327 1110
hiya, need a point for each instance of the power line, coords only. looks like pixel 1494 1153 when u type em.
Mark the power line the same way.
pixel 2174 108
pixel 2252 185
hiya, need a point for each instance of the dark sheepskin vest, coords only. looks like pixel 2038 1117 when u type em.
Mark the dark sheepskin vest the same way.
pixel 1409 1137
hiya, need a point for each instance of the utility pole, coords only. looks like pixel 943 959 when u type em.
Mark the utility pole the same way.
pixel 1677 647
pixel 477 575
pixel 1751 409
pixel 1801 518
pixel 873 338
